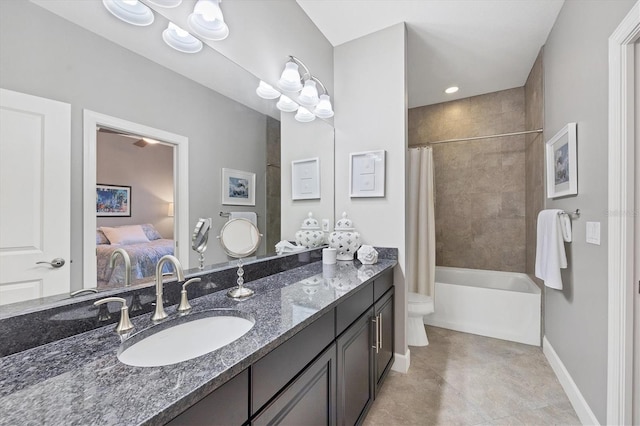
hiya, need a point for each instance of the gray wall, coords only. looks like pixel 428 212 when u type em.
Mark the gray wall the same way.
pixel 369 70
pixel 149 173
pixel 576 90
pixel 55 59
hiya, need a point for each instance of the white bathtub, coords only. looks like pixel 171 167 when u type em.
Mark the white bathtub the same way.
pixel 504 305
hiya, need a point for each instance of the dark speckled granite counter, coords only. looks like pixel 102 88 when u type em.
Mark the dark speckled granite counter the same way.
pixel 79 380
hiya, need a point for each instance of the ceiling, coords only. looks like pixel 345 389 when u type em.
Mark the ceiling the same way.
pixel 481 46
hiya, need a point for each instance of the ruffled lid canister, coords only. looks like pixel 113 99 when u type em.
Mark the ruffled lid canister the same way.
pixel 345 239
pixel 310 235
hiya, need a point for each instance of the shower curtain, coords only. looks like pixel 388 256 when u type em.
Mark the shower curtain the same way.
pixel 421 252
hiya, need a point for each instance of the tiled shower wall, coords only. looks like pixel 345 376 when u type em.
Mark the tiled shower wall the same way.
pixel 534 156
pixel 479 185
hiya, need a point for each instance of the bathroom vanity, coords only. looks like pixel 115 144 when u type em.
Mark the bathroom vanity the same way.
pixel 320 348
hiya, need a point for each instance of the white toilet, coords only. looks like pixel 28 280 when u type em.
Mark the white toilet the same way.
pixel 419 305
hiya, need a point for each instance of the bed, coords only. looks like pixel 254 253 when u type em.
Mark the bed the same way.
pixel 144 245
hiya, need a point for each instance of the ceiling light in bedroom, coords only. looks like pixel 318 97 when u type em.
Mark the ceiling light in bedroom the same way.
pixel 130 11
pixel 452 89
pixel 181 40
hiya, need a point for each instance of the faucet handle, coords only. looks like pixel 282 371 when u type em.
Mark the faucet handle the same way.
pixel 184 302
pixel 124 326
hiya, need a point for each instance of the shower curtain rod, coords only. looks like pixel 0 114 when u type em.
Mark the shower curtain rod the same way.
pixel 479 137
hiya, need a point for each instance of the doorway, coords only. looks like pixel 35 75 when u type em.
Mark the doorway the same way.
pixel 180 192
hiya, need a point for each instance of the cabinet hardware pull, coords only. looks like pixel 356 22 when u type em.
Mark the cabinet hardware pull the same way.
pixel 380 326
pixel 375 321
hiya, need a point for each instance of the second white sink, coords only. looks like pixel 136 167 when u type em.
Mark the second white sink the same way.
pixel 189 338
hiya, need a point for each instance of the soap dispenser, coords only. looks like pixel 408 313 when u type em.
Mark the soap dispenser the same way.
pixel 345 239
pixel 310 235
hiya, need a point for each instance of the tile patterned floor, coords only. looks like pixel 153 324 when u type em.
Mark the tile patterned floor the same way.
pixel 464 379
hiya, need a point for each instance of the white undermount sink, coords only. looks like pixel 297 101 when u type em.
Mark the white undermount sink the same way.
pixel 184 338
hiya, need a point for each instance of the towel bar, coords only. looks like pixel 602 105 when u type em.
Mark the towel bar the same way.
pixel 223 214
pixel 575 213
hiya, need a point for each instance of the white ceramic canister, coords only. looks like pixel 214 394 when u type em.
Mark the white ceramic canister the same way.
pixel 345 239
pixel 310 235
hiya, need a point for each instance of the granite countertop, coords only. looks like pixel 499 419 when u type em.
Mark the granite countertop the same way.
pixel 79 380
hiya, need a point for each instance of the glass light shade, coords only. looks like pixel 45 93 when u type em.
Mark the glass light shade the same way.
pixel 324 108
pixel 130 11
pixel 207 21
pixel 309 95
pixel 286 104
pixel 166 3
pixel 290 78
pixel 304 115
pixel 266 91
pixel 181 40
pixel 170 210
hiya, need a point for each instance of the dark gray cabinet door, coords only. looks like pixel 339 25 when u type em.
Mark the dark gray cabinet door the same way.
pixel 227 405
pixel 309 400
pixel 355 371
pixel 384 355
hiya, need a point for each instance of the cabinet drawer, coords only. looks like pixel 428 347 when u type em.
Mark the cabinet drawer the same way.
pixel 349 310
pixel 275 370
pixel 227 405
pixel 382 284
pixel 309 400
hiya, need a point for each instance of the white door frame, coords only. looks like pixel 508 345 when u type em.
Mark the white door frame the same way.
pixel 91 121
pixel 621 220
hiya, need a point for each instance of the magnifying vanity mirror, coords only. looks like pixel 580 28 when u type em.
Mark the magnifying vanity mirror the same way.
pixel 200 239
pixel 240 238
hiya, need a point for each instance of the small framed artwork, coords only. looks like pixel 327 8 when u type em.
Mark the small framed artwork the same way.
pixel 366 174
pixel 238 188
pixel 305 179
pixel 113 201
pixel 562 163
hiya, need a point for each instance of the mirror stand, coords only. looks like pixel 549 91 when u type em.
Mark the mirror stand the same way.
pixel 240 292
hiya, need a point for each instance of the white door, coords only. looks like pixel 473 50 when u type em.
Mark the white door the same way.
pixel 35 140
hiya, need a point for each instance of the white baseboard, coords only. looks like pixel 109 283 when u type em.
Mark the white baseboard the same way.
pixel 578 402
pixel 401 362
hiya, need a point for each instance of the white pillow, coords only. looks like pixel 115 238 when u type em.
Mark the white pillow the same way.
pixel 123 235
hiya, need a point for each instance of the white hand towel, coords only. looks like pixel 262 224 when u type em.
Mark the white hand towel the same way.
pixel 550 254
pixel 250 216
pixel 565 225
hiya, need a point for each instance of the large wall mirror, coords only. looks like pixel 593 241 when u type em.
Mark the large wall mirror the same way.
pixel 115 69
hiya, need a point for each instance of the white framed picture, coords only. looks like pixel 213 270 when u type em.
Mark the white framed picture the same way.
pixel 238 188
pixel 305 179
pixel 562 163
pixel 366 174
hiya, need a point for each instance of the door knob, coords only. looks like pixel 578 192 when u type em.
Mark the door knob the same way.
pixel 55 263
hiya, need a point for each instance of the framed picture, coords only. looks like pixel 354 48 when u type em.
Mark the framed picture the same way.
pixel 238 188
pixel 113 201
pixel 305 179
pixel 562 163
pixel 366 174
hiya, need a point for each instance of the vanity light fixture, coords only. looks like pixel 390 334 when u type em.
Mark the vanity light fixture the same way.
pixel 285 104
pixel 307 85
pixel 181 40
pixel 166 3
pixel 324 108
pixel 266 91
pixel 304 115
pixel 452 89
pixel 207 20
pixel 130 11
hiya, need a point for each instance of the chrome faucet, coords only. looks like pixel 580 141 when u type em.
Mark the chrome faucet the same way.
pixel 160 314
pixel 127 264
